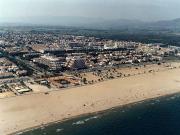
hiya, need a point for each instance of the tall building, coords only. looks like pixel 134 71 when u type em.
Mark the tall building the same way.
pixel 75 63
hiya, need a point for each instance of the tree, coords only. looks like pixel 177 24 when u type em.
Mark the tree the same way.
pixel 84 80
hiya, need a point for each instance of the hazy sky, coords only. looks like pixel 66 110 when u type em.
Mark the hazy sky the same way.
pixel 148 10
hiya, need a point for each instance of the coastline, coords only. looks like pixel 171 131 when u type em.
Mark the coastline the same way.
pixel 93 113
pixel 17 114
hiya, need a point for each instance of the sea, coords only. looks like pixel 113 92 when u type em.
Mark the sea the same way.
pixel 159 116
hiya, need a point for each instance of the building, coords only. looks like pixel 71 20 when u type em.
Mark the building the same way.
pixel 21 72
pixel 41 48
pixel 75 62
pixel 6 75
pixel 75 45
pixel 52 62
pixel 7 66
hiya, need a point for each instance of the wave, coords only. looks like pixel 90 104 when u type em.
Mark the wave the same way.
pixel 91 118
pixel 81 122
pixel 78 122
pixel 59 130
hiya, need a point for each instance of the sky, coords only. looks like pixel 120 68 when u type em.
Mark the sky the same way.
pixel 145 10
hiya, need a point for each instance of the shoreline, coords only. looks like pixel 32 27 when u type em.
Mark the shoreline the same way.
pixel 22 112
pixel 93 113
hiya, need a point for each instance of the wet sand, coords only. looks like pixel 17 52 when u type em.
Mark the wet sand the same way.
pixel 18 113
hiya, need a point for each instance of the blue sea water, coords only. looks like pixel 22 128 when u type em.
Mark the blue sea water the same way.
pixel 154 117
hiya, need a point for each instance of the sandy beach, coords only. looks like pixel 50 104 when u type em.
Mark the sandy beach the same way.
pixel 21 112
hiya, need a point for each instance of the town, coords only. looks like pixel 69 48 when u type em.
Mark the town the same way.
pixel 42 62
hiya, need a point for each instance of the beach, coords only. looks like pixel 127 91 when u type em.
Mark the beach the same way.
pixel 22 112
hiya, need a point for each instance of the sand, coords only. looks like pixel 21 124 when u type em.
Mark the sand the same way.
pixel 18 113
pixel 37 88
pixel 7 94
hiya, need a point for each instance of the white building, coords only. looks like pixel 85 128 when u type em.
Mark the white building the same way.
pixel 53 62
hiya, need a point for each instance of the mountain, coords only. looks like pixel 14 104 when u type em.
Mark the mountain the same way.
pixel 167 23
pixel 99 23
pixel 136 24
